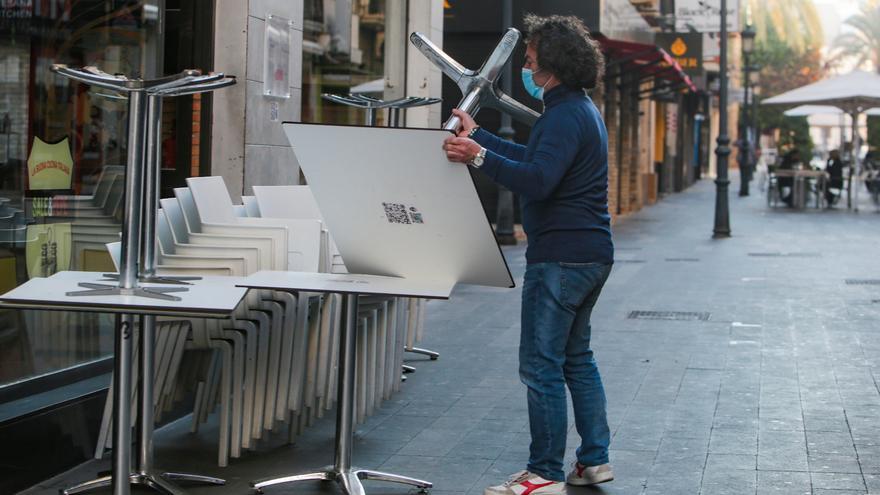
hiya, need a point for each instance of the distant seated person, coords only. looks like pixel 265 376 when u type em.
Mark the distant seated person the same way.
pixel 834 168
pixel 790 161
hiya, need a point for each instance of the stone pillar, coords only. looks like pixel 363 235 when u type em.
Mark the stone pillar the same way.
pixel 612 124
pixel 249 146
pixel 634 149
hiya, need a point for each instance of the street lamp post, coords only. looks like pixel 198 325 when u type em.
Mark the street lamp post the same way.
pixel 504 216
pixel 745 160
pixel 722 151
pixel 756 128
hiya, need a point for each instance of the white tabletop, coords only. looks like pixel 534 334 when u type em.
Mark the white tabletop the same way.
pixel 396 206
pixel 348 284
pixel 211 296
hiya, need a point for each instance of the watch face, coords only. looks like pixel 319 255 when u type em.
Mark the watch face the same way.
pixel 478 160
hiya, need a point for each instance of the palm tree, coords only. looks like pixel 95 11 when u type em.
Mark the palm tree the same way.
pixel 796 23
pixel 863 42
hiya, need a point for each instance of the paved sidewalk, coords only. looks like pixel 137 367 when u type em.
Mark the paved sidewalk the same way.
pixel 770 388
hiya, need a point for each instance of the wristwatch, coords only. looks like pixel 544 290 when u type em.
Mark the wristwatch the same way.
pixel 477 161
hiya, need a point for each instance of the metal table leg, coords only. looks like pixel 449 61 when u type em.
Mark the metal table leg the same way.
pixel 145 475
pixel 347 477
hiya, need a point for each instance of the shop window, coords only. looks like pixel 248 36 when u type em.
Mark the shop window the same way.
pixel 343 52
pixel 62 156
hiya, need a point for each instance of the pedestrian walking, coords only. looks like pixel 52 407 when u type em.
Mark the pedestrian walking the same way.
pixel 561 176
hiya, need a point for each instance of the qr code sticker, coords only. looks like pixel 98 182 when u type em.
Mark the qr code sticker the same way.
pixel 400 213
pixel 396 213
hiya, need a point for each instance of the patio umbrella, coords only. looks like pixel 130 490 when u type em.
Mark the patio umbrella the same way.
pixel 852 93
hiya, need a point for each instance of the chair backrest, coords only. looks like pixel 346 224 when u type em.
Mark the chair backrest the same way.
pixel 287 202
pixel 212 200
pixel 251 206
pixel 105 182
pixel 163 233
pixel 174 216
pixel 188 208
pixel 113 205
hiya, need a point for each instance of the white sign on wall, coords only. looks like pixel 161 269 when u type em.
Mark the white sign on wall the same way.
pixel 705 16
pixel 276 57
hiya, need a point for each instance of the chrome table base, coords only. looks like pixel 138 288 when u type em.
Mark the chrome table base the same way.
pixel 349 480
pixel 158 482
pixel 424 352
pixel 478 88
pixel 115 290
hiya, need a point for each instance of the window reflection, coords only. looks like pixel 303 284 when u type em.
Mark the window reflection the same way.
pixel 343 52
pixel 62 151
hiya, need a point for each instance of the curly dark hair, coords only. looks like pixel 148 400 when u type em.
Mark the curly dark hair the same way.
pixel 565 48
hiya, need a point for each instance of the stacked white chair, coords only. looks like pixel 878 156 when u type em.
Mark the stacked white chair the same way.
pixel 384 318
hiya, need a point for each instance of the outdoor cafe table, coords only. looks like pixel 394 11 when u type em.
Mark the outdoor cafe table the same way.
pixel 799 185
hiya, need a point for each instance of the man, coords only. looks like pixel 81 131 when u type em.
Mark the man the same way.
pixel 834 167
pixel 790 161
pixel 562 178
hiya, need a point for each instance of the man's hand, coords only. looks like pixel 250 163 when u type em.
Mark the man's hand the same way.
pixel 467 122
pixel 460 149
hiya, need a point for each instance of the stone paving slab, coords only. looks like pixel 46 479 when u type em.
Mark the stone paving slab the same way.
pixel 775 393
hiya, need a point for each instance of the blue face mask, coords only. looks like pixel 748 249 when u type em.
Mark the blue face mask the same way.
pixel 533 89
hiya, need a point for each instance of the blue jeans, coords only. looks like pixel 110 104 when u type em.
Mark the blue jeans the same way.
pixel 554 351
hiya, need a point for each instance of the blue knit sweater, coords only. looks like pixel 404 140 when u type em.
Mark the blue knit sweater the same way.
pixel 562 179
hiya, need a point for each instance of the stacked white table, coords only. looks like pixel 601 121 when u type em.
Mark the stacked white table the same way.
pixel 209 297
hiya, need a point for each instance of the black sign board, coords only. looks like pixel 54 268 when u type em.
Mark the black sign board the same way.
pixel 685 48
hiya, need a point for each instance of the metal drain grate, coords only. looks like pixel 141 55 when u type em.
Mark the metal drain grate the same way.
pixel 629 261
pixel 862 281
pixel 785 255
pixel 669 315
pixel 684 260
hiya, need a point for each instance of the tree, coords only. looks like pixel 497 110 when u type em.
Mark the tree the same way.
pixel 863 42
pixel 795 23
pixel 784 68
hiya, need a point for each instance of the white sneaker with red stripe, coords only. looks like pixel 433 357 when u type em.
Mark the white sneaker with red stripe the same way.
pixel 589 475
pixel 526 483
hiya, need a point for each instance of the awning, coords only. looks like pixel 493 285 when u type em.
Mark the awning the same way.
pixel 649 60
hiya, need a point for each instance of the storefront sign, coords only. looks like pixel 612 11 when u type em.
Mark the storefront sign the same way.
pixel 685 48
pixel 50 166
pixel 704 16
pixel 27 9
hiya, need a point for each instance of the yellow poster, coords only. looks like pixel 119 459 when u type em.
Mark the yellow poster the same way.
pixel 50 166
pixel 48 249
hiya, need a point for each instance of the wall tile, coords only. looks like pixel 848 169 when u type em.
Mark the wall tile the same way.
pixel 270 166
pixel 259 128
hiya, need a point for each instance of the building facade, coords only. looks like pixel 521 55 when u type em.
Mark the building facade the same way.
pixel 646 97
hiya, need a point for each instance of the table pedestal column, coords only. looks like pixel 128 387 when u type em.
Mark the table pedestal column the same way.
pixel 347 477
